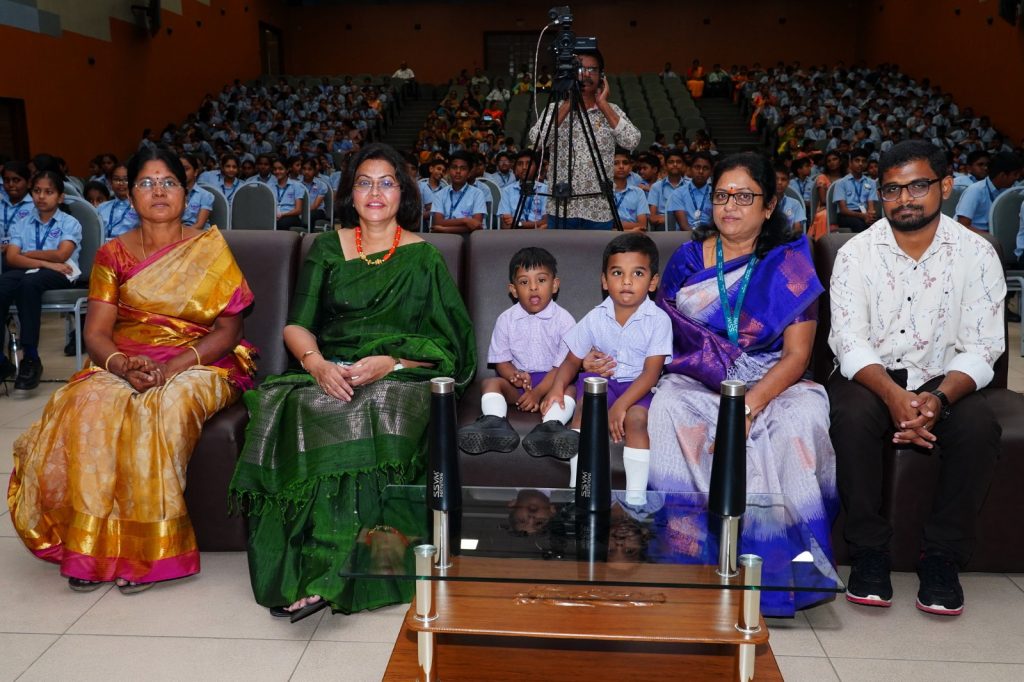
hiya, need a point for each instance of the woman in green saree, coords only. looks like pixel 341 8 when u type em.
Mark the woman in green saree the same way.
pixel 375 316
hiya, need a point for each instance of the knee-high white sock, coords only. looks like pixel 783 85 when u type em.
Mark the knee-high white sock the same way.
pixel 494 405
pixel 564 415
pixel 637 463
pixel 572 467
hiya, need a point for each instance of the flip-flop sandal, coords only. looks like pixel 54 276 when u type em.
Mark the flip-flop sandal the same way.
pixel 134 588
pixel 79 585
pixel 309 609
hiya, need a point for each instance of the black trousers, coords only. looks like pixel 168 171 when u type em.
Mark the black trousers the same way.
pixel 852 222
pixel 26 290
pixel 289 221
pixel 967 447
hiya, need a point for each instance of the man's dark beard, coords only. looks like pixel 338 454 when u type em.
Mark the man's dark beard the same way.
pixel 912 224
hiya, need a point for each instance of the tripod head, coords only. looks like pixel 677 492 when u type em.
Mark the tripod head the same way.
pixel 564 49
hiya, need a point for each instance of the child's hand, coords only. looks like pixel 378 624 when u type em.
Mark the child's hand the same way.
pixel 599 363
pixel 617 422
pixel 555 395
pixel 529 401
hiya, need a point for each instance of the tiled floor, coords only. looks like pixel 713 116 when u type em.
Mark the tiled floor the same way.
pixel 208 627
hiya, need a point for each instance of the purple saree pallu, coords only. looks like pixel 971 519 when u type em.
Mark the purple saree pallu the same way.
pixel 788 450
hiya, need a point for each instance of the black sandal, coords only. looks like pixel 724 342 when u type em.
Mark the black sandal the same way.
pixel 79 585
pixel 309 609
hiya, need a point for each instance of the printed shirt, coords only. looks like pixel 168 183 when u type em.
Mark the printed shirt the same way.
pixel 932 316
pixel 532 343
pixel 117 217
pixel 533 206
pixel 584 175
pixel 29 234
pixel 648 332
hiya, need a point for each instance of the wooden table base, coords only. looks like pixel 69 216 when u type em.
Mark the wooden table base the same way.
pixel 496 659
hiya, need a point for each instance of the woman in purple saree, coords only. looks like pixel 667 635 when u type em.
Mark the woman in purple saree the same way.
pixel 743 301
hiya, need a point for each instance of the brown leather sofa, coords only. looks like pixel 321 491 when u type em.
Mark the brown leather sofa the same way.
pixel 479 264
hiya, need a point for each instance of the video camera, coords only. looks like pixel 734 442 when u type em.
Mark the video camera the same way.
pixel 565 47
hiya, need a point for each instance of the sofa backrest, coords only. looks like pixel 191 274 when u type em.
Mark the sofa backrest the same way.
pixel 272 288
pixel 825 251
pixel 579 270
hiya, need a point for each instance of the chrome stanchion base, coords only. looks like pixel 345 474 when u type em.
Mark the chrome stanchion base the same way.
pixel 727 547
pixel 750 613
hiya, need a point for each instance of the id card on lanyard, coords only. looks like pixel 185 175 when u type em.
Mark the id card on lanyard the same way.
pixel 455 204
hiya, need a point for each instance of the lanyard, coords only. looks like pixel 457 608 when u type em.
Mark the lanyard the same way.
pixel 111 222
pixel 703 200
pixel 8 221
pixel 41 239
pixel 620 197
pixel 992 191
pixel 529 207
pixel 858 187
pixel 229 190
pixel 732 317
pixel 281 192
pixel 455 204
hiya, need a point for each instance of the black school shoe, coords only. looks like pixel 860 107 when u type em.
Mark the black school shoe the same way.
pixel 29 374
pixel 940 592
pixel 869 583
pixel 488 434
pixel 552 439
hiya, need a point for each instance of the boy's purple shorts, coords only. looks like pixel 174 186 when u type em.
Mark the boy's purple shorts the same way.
pixel 615 390
pixel 535 379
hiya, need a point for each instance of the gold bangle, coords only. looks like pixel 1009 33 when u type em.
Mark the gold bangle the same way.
pixel 302 360
pixel 106 364
pixel 199 360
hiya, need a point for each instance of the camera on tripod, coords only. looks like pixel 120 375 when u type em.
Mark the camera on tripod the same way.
pixel 565 46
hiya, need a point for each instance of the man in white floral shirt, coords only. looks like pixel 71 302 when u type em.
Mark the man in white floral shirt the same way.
pixel 917 325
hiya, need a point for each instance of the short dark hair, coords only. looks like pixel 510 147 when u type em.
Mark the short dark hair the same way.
pixel 775 230
pixel 703 155
pixel 19 168
pixel 596 54
pixel 632 242
pixel 622 151
pixel 531 258
pixel 1004 162
pixel 410 205
pixel 859 153
pixel 96 185
pixel 160 152
pixel 977 154
pixel 464 156
pixel 524 154
pixel 800 163
pixel 650 159
pixel 676 152
pixel 914 150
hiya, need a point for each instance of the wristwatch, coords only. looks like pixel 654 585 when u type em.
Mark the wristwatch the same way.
pixel 944 411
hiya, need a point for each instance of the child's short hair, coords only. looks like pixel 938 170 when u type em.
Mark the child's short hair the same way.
pixel 531 258
pixel 632 242
pixel 96 186
pixel 51 175
pixel 650 159
pixel 622 151
pixel 676 152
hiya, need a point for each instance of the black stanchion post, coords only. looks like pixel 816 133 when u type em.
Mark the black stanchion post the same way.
pixel 728 492
pixel 593 473
pixel 444 486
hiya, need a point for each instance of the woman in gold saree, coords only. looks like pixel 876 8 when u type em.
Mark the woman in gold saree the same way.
pixel 99 480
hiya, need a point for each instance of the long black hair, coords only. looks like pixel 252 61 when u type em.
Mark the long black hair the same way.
pixel 410 205
pixel 775 230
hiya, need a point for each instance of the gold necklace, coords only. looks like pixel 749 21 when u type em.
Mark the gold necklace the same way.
pixel 142 239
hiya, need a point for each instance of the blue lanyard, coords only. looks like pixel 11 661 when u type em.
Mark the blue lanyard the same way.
pixel 111 222
pixel 529 207
pixel 732 316
pixel 858 187
pixel 8 221
pixel 455 204
pixel 992 191
pixel 41 239
pixel 229 191
pixel 281 192
pixel 703 200
pixel 619 197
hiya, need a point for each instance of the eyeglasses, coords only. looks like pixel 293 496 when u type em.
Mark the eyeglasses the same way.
pixel 916 189
pixel 590 69
pixel 721 198
pixel 119 181
pixel 149 184
pixel 383 185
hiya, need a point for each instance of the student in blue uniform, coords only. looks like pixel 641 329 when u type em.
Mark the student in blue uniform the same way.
pixel 16 202
pixel 796 214
pixel 630 200
pixel 289 197
pixel 264 174
pixel 692 203
pixel 856 195
pixel 534 214
pixel 226 179
pixel 316 188
pixel 96 193
pixel 663 190
pixel 198 202
pixel 117 215
pixel 972 210
pixel 460 207
pixel 432 184
pixel 42 255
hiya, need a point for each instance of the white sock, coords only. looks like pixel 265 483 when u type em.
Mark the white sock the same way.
pixel 556 413
pixel 572 467
pixel 493 405
pixel 637 463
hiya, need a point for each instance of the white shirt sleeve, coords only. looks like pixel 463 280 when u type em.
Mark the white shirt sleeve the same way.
pixel 980 341
pixel 851 325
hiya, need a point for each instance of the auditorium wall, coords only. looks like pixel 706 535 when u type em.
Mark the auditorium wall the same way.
pixel 76 108
pixel 377 37
pixel 963 46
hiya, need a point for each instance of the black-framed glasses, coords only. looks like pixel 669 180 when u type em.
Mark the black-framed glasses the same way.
pixel 743 198
pixel 916 189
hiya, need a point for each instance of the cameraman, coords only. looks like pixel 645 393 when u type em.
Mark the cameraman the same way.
pixel 611 129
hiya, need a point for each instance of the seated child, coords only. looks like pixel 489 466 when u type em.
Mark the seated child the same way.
pixel 525 347
pixel 637 335
pixel 530 512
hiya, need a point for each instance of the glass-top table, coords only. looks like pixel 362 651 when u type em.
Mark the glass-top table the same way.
pixel 527 571
pixel 670 541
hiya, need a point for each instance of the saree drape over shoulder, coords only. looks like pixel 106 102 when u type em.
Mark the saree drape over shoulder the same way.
pixel 788 450
pixel 99 480
pixel 313 467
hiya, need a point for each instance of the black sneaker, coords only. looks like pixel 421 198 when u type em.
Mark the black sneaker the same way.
pixel 940 592
pixel 488 434
pixel 552 439
pixel 29 373
pixel 869 583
